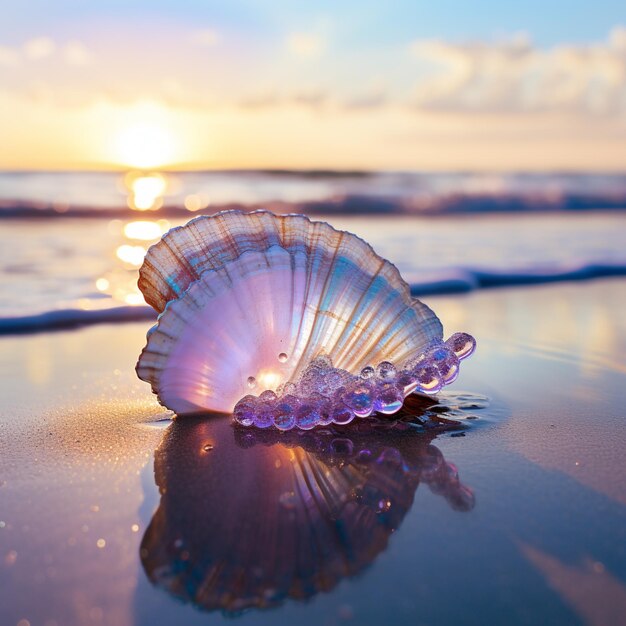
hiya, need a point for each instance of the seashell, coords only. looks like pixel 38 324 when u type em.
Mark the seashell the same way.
pixel 255 302
pixel 310 508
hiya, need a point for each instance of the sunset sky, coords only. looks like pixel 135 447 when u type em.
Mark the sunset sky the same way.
pixel 393 85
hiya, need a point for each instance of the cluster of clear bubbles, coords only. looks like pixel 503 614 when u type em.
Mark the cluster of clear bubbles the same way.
pixel 326 395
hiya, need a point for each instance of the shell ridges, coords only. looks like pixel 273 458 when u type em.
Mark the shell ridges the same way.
pixel 257 297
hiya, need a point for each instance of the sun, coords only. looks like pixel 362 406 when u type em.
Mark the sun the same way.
pixel 146 135
pixel 145 145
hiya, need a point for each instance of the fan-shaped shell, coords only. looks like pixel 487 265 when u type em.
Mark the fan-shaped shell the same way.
pixel 250 300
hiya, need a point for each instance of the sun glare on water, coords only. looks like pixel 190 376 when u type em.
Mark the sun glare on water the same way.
pixel 145 230
pixel 145 190
pixel 132 239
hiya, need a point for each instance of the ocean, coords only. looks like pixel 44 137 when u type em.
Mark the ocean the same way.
pixel 71 243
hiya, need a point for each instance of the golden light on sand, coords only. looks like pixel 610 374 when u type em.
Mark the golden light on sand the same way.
pixel 145 191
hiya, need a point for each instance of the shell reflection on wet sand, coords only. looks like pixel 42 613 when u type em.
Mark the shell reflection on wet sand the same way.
pixel 251 518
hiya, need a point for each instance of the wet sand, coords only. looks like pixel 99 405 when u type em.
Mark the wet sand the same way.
pixel 112 514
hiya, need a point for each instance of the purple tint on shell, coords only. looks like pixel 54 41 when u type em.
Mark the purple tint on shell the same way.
pixel 307 416
pixel 285 412
pixel 324 394
pixel 341 414
pixel 386 372
pixel 324 408
pixel 245 411
pixel 289 389
pixel 333 380
pixel 264 415
pixel 437 354
pixel 359 397
pixel 368 372
pixel 446 362
pixel 462 344
pixel 428 379
pixel 407 380
pixel 449 367
pixel 267 396
pixel 322 363
pixel 389 398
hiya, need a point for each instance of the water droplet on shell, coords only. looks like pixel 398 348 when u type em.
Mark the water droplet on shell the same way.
pixel 367 372
pixel 462 344
pixel 386 371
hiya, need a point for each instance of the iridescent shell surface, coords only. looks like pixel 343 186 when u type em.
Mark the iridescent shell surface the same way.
pixel 255 302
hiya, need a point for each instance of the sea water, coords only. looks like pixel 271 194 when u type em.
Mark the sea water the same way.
pixel 71 264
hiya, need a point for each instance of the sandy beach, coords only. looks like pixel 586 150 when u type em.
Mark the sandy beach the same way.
pixel 518 517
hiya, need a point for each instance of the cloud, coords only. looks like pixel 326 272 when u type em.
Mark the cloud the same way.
pixel 306 45
pixel 205 37
pixel 38 48
pixel 508 77
pixel 516 76
pixel 75 53
pixel 307 98
pixel 312 98
pixel 617 38
pixel 260 101
pixel 367 101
